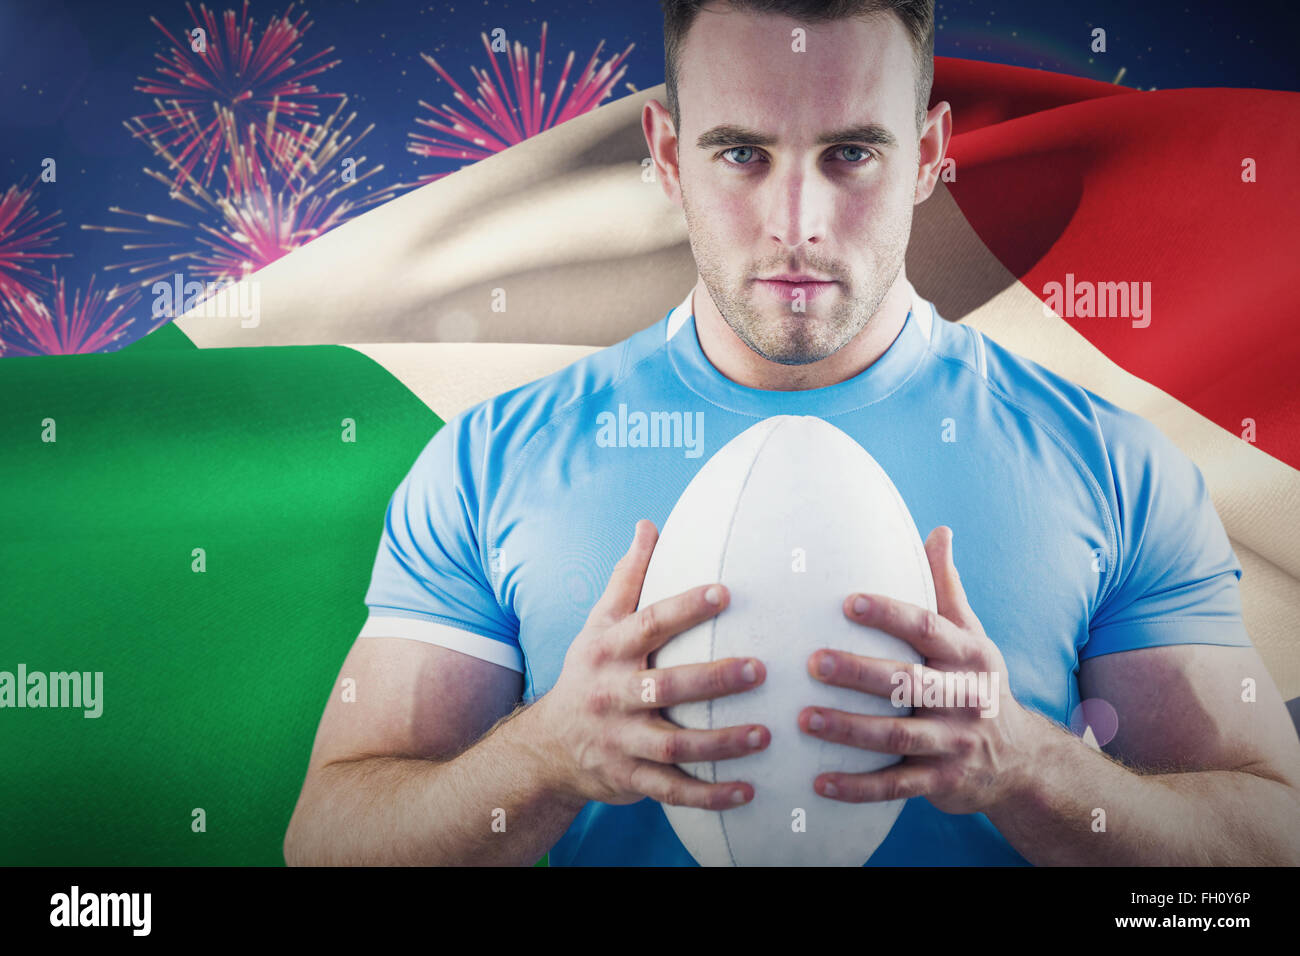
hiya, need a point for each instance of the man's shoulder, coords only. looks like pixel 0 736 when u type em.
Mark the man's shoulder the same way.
pixel 1087 423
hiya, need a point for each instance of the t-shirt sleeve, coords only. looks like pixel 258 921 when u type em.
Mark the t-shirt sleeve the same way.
pixel 430 581
pixel 1176 578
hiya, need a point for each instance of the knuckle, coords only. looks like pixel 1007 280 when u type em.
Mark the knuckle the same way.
pixel 717 745
pixel 951 779
pixel 965 745
pixel 647 622
pixel 600 700
pixel 592 758
pixel 900 739
pixel 896 788
pixel 665 686
pixel 607 743
pixel 670 748
pixel 719 677
pixel 891 616
pixel 596 652
pixel 930 626
pixel 636 783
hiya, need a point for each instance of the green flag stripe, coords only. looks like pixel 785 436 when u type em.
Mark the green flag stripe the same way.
pixel 213 682
pixel 167 336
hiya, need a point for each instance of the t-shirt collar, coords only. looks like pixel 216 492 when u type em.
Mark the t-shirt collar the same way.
pixel 873 383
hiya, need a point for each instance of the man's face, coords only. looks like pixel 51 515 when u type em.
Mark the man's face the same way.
pixel 839 210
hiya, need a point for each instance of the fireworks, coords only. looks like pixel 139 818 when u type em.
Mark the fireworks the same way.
pixel 283 187
pixel 31 328
pixel 22 233
pixel 238 108
pixel 252 172
pixel 251 78
pixel 500 121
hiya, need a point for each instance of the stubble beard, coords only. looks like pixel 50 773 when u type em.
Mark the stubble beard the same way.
pixel 773 329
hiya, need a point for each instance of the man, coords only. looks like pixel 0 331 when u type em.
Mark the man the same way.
pixel 797 141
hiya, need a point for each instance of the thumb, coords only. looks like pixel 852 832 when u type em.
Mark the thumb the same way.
pixel 949 595
pixel 623 591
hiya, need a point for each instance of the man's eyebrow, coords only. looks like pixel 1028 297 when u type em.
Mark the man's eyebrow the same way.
pixel 726 135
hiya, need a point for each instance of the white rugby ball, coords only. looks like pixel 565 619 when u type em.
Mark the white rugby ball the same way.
pixel 792 515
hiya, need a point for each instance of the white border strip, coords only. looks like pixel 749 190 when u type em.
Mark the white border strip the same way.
pixel 443 635
pixel 982 358
pixel 677 318
pixel 923 312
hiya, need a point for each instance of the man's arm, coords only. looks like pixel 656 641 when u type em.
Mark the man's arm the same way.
pixel 1214 779
pixel 396 777
pixel 1207 778
pixel 382 787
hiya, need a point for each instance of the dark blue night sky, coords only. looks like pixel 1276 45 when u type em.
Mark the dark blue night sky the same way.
pixel 68 72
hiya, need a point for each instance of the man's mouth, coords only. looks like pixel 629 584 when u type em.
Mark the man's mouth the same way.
pixel 790 290
pixel 795 277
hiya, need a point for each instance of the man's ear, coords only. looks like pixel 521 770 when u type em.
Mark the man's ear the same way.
pixel 657 124
pixel 934 147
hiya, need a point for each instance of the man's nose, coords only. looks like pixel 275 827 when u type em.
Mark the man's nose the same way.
pixel 799 207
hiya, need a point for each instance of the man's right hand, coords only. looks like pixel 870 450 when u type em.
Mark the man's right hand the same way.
pixel 610 744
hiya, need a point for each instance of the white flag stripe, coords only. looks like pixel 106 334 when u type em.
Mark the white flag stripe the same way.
pixel 452 376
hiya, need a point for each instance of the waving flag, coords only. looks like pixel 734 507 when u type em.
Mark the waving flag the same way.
pixel 1138 243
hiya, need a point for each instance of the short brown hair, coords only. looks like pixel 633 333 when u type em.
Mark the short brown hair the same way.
pixel 917 17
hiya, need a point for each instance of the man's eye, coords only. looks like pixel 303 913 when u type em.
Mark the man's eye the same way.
pixel 865 154
pixel 856 155
pixel 739 149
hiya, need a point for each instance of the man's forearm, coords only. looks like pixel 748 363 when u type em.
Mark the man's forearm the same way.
pixel 1220 817
pixel 493 804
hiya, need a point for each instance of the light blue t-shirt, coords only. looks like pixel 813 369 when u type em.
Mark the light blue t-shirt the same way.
pixel 1079 528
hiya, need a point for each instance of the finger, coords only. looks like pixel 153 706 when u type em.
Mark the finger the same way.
pixel 898 782
pixel 874 675
pixel 666 686
pixel 905 736
pixel 669 785
pixel 639 633
pixel 949 595
pixel 623 590
pixel 933 636
pixel 663 742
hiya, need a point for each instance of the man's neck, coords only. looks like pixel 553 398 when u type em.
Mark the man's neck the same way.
pixel 738 362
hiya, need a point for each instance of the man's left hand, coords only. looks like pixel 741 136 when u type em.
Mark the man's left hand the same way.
pixel 960 761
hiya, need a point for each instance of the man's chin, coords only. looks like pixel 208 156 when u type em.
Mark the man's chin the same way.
pixel 771 308
pixel 798 350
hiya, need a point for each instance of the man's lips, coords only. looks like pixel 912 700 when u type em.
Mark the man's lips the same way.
pixel 789 290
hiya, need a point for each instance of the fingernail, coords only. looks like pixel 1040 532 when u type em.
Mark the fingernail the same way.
pixel 827 666
pixel 816 721
pixel 860 605
pixel 750 672
pixel 738 796
pixel 755 738
pixel 713 595
pixel 830 790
